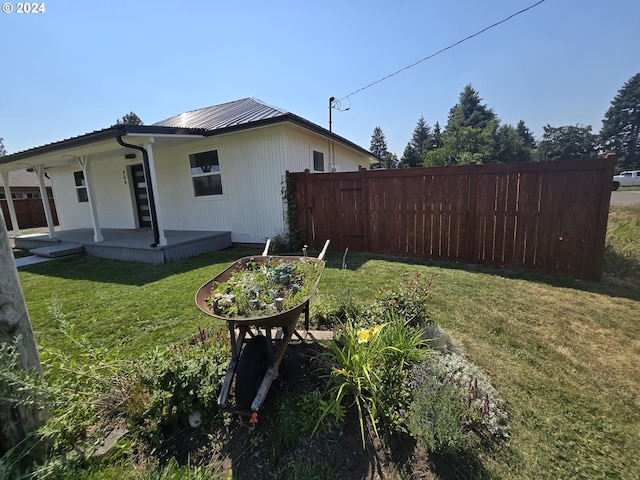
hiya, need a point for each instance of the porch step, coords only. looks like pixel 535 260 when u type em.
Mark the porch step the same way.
pixel 60 249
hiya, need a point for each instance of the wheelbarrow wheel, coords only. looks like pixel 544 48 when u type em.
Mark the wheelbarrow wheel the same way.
pixel 252 368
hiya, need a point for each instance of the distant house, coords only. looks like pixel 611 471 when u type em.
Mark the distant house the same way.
pixel 219 168
pixel 23 185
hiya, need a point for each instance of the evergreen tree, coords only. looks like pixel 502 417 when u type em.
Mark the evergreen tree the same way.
pixel 469 112
pixel 620 131
pixel 470 135
pixel 390 160
pixel 525 134
pixel 418 146
pixel 567 142
pixel 436 137
pixel 511 144
pixel 129 119
pixel 3 151
pixel 378 144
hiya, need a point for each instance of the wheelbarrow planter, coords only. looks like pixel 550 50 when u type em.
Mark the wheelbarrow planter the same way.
pixel 255 359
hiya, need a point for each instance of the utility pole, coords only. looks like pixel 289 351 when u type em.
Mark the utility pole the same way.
pixel 331 100
pixel 16 419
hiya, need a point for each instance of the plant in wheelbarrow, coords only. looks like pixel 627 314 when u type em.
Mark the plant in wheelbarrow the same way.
pixel 260 289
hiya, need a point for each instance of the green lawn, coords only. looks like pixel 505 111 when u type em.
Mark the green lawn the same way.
pixel 565 355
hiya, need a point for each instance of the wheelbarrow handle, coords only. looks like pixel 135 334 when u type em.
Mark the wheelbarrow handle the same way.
pixel 266 248
pixel 324 250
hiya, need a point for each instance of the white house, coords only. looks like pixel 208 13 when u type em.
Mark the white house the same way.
pixel 216 169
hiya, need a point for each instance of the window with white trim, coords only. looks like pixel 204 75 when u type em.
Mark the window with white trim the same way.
pixel 205 173
pixel 81 186
pixel 318 161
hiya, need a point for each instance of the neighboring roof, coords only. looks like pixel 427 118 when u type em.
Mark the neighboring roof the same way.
pixel 215 120
pixel 23 178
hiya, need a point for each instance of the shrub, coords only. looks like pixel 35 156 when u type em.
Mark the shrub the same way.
pixel 409 300
pixel 179 379
pixel 479 396
pixel 69 391
pixel 451 400
pixel 438 414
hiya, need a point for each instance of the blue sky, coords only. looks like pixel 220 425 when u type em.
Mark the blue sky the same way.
pixel 80 66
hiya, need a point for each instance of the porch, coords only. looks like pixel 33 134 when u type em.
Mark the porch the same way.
pixel 128 245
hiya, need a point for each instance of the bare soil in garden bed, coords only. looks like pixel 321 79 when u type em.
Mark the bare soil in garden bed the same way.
pixel 248 450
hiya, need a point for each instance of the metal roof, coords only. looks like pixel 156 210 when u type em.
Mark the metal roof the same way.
pixel 238 115
pixel 231 114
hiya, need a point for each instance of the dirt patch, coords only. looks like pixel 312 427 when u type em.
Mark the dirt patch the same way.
pixel 250 451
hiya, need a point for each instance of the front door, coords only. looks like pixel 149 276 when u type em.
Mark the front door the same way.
pixel 140 193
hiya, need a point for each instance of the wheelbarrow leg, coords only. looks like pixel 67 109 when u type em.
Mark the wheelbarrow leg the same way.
pixel 274 365
pixel 306 323
pixel 236 347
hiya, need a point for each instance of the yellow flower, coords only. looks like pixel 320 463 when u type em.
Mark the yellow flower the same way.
pixel 376 330
pixel 341 371
pixel 363 336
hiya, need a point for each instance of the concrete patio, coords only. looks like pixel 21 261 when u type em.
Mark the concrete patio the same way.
pixel 127 245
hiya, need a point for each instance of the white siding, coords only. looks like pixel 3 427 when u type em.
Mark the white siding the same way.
pixel 251 205
pixel 300 145
pixel 114 202
pixel 71 213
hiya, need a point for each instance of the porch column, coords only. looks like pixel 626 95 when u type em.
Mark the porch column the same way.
pixel 154 181
pixel 45 201
pixel 85 164
pixel 12 207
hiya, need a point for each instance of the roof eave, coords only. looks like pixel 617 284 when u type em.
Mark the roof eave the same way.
pixel 93 137
pixel 137 130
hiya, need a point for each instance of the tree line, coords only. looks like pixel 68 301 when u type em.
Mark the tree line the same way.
pixel 474 133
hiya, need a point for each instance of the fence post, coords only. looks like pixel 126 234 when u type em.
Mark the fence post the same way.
pixel 364 179
pixel 471 250
pixel 603 214
pixel 308 211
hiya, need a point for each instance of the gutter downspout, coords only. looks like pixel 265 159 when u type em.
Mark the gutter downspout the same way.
pixel 152 201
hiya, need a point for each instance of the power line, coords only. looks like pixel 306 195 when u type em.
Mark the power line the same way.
pixel 443 50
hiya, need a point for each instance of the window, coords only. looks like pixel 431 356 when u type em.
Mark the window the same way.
pixel 33 195
pixel 318 161
pixel 81 187
pixel 205 173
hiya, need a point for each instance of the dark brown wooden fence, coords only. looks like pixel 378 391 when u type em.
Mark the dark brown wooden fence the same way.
pixel 29 212
pixel 549 217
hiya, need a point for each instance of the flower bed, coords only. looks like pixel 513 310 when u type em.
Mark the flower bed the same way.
pixel 261 290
